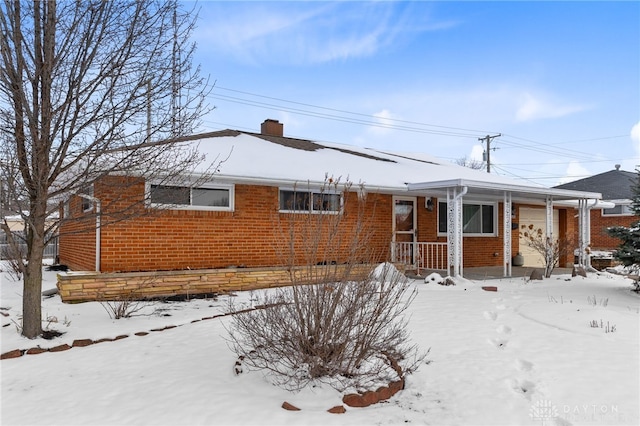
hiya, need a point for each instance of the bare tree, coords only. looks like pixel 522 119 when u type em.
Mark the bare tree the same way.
pixel 551 249
pixel 470 163
pixel 88 89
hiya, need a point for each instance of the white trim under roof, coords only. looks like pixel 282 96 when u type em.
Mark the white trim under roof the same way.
pixel 498 188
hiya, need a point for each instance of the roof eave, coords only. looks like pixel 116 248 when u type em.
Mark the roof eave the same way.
pixel 532 191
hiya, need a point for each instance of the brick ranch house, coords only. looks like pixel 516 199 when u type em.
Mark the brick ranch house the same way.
pixel 424 213
pixel 616 187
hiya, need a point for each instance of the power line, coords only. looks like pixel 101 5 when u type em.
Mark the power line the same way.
pixel 582 161
pixel 561 152
pixel 352 120
pixel 351 112
pixel 507 141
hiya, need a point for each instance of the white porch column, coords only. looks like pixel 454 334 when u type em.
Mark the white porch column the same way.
pixel 549 217
pixel 584 233
pixel 581 236
pixel 587 233
pixel 451 250
pixel 454 230
pixel 506 259
pixel 549 230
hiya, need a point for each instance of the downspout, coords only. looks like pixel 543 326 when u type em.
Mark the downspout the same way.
pixel 97 203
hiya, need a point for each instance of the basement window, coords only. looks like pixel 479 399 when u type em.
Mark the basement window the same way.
pixel 292 201
pixel 478 219
pixel 185 198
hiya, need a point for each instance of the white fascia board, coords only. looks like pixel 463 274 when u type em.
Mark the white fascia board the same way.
pixel 591 204
pixel 501 186
pixel 314 184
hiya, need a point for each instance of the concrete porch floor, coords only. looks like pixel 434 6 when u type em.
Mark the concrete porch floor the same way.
pixel 492 272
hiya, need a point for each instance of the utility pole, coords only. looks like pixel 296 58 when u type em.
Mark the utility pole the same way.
pixel 488 139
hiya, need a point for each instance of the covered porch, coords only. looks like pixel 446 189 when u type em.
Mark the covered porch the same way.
pixel 445 254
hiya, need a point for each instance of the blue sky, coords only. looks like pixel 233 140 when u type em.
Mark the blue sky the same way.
pixel 559 80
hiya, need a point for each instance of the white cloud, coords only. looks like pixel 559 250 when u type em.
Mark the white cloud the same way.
pixel 538 106
pixel 477 153
pixel 383 120
pixel 574 171
pixel 635 134
pixel 308 32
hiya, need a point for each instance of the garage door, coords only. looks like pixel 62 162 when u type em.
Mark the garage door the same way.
pixel 537 218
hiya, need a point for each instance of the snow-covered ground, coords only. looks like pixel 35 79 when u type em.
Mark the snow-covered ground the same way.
pixel 524 355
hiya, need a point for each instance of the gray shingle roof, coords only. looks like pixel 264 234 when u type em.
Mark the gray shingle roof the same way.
pixel 613 185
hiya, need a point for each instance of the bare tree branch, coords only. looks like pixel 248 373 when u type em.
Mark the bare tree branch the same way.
pixel 87 89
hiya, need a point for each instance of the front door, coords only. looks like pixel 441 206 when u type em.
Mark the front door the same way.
pixel 404 228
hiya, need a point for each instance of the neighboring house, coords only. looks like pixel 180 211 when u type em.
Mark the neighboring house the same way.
pixel 16 225
pixel 423 212
pixel 615 187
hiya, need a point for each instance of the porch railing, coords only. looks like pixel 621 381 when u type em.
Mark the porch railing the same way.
pixel 420 255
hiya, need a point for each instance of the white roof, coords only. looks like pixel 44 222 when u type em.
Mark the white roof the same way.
pixel 251 157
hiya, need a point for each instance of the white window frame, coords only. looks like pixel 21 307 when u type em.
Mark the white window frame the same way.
pixel 66 209
pixel 229 187
pixel 311 193
pixel 626 211
pixel 88 190
pixel 475 234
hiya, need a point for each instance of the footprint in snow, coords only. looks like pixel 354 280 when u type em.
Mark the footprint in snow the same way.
pixel 498 343
pixel 490 315
pixel 522 387
pixel 523 365
pixel 501 307
pixel 503 329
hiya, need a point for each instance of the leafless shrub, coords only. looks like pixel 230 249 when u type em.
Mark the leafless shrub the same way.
pixel 470 163
pixel 550 249
pixel 124 307
pixel 335 324
pixel 593 301
pixel 608 328
pixel 13 252
pixel 14 259
pixel 345 333
pixel 130 302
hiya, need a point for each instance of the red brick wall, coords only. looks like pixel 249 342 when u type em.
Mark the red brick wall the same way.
pixel 189 239
pixel 250 236
pixel 77 238
pixel 600 240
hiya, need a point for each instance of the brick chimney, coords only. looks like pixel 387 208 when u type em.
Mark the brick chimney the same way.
pixel 272 127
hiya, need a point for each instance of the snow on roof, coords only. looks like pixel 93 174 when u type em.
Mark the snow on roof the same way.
pixel 272 159
pixel 250 156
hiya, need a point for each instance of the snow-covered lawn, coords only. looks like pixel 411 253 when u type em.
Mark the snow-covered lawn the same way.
pixel 524 355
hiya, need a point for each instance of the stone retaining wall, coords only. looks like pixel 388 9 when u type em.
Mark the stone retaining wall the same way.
pixel 77 287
